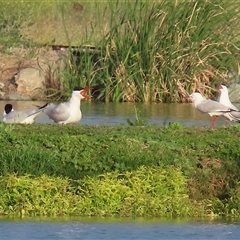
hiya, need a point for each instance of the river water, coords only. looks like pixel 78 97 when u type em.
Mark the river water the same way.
pixel 115 229
pixel 117 113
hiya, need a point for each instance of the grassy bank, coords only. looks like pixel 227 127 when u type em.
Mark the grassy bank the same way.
pixel 147 51
pixel 123 170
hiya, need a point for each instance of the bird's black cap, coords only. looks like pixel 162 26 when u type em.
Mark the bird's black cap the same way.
pixel 8 108
pixel 78 88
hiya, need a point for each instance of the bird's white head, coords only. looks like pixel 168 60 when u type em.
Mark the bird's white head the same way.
pixel 81 92
pixel 224 97
pixel 7 109
pixel 197 98
pixel 223 89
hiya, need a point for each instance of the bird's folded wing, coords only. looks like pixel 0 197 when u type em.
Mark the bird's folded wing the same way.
pixel 208 106
pixel 235 115
pixel 14 117
pixel 59 113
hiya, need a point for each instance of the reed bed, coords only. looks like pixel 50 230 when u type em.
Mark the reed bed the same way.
pixel 144 51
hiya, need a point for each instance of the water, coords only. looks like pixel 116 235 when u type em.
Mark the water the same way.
pixel 98 113
pixel 117 229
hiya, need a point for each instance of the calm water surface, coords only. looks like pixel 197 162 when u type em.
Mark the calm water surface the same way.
pixel 118 113
pixel 117 229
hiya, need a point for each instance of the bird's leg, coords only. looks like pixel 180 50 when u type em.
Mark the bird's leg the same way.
pixel 227 122
pixel 214 119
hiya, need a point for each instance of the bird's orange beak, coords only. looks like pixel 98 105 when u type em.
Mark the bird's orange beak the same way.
pixel 83 92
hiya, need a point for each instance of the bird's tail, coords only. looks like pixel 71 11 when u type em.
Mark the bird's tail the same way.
pixel 40 109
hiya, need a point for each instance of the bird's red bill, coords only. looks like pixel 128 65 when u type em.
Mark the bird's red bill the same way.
pixel 83 93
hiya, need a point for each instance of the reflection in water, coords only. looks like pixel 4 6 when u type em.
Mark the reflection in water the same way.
pixel 121 229
pixel 117 113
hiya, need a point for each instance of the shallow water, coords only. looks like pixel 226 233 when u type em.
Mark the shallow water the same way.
pixel 98 113
pixel 117 229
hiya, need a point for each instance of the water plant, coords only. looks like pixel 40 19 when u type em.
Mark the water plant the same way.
pixel 158 53
pixel 144 192
pixel 138 120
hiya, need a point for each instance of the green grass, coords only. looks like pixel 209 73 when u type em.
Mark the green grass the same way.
pixel 77 151
pixel 119 171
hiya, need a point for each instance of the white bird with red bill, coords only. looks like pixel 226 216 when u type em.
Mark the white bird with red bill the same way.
pixel 68 112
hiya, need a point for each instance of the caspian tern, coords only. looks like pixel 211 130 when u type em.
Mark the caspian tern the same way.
pixel 224 99
pixel 21 117
pixel 68 112
pixel 212 108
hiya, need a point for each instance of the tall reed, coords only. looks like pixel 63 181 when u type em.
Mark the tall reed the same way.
pixel 162 51
pixel 145 51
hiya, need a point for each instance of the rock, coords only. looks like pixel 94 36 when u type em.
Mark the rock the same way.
pixel 2 94
pixel 2 85
pixel 30 82
pixel 30 72
pixel 17 96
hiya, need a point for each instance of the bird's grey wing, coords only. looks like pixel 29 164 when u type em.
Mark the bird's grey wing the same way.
pixel 20 116
pixel 58 113
pixel 235 116
pixel 212 106
pixel 14 117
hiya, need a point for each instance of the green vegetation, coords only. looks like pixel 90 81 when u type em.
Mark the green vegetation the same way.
pixel 145 192
pixel 170 171
pixel 145 51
